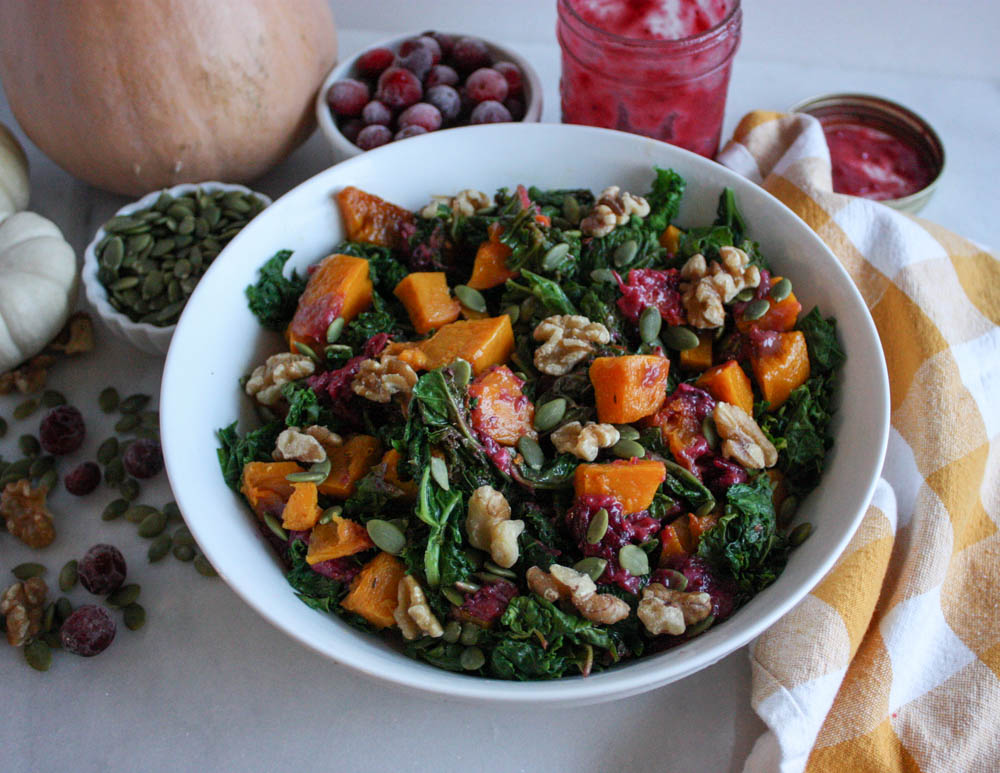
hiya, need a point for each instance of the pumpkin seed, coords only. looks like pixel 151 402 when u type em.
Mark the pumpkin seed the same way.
pixel 386 536
pixel 158 548
pixel 48 480
pixel 127 423
pixel 499 570
pixel 108 399
pixel 439 471
pixel 705 508
pixel 152 525
pixel 709 431
pixel 334 330
pixel 472 659
pixel 114 509
pixel 528 306
pixel 139 513
pixel 787 510
pixel 781 290
pixel 533 455
pixel 679 338
pixel 29 445
pixel 307 351
pixel 746 294
pixel 113 252
pixel 800 534
pixel 467 587
pixel 650 323
pixel 681 472
pixel 470 634
pixel 625 253
pixel 204 567
pixel 328 514
pixel 51 398
pixel 134 403
pixel 129 489
pixel 512 311
pixel 554 256
pixel 548 415
pixel 571 209
pixel 633 559
pixel 182 536
pixel 124 596
pixel 453 630
pixel 598 527
pixel 48 618
pixel 603 276
pixel 628 449
pixel 186 552
pixel 28 570
pixel 68 576
pixel 338 350
pixel 134 616
pixel 675 580
pixel 41 465
pixel 64 608
pixel 3 426
pixel 470 298
pixel 700 627
pixel 627 432
pixel 38 654
pixel 756 309
pixel 25 409
pixel 454 597
pixel 592 566
pixel 462 371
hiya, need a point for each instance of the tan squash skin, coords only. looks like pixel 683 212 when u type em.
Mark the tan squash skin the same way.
pixel 134 95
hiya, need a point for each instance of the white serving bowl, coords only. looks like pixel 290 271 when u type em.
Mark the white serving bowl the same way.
pixel 343 148
pixel 218 340
pixel 152 339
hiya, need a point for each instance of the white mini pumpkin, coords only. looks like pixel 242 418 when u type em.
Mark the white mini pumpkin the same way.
pixel 13 174
pixel 38 282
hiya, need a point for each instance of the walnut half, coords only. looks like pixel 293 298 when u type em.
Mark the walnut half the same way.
pixel 569 339
pixel 584 441
pixel 710 285
pixel 561 582
pixel 489 526
pixel 413 614
pixel 26 515
pixel 665 610
pixel 266 380
pixel 612 209
pixel 22 605
pixel 743 440
pixel 378 380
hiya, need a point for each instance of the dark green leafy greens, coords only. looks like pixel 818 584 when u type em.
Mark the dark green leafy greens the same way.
pixel 236 451
pixel 273 297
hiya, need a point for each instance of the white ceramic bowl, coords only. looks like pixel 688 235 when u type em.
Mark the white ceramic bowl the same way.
pixel 344 148
pixel 218 340
pixel 149 338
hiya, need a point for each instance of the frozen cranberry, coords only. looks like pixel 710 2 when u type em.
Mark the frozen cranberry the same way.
pixel 469 54
pixel 441 74
pixel 398 88
pixel 352 128
pixel 418 61
pixel 373 136
pixel 376 112
pixel 490 111
pixel 88 631
pixel 446 100
pixel 102 569
pixel 82 479
pixel 511 72
pixel 486 83
pixel 372 62
pixel 343 569
pixel 409 131
pixel 444 40
pixel 348 97
pixel 143 458
pixel 427 42
pixel 421 114
pixel 516 108
pixel 62 430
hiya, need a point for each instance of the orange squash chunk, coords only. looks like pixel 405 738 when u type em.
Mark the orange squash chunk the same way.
pixel 480 342
pixel 782 315
pixel 349 463
pixel 629 388
pixel 427 300
pixel 632 482
pixel 786 368
pixel 367 218
pixel 699 358
pixel 489 269
pixel 671 544
pixel 391 461
pixel 301 510
pixel 338 287
pixel 728 383
pixel 373 593
pixel 265 488
pixel 698 525
pixel 501 410
pixel 670 239
pixel 336 539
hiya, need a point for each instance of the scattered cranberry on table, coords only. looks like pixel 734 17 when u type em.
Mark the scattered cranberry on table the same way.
pixel 143 458
pixel 88 631
pixel 432 82
pixel 102 569
pixel 83 479
pixel 62 430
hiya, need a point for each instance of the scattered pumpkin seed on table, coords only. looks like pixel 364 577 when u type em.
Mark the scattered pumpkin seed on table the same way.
pixel 68 576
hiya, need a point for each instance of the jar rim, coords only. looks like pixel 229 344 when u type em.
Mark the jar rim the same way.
pixel 708 35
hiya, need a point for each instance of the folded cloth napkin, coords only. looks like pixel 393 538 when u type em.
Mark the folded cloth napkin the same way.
pixel 892 663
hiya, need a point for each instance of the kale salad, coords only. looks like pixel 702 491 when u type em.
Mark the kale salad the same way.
pixel 535 433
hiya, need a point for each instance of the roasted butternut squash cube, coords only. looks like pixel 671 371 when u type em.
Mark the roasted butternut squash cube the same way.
pixel 630 387
pixel 302 509
pixel 489 269
pixel 265 487
pixel 499 408
pixel 728 383
pixel 781 316
pixel 780 368
pixel 632 482
pixel 374 592
pixel 338 287
pixel 367 218
pixel 670 239
pixel 339 538
pixel 349 463
pixel 391 461
pixel 480 342
pixel 428 300
pixel 700 357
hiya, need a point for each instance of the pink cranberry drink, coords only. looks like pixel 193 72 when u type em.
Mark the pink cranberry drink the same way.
pixel 654 67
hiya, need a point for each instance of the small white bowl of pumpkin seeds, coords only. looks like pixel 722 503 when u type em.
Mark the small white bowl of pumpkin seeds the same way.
pixel 144 262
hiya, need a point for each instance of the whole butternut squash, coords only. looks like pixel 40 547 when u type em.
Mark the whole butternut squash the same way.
pixel 149 93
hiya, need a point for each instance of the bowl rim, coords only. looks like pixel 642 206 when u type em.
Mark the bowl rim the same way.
pixel 640 675
pixel 345 149
pixel 97 293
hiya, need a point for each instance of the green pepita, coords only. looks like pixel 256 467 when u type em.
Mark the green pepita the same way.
pixel 127 423
pixel 48 480
pixel 800 534
pixel 183 536
pixel 709 431
pixel 466 587
pixel 454 597
pixel 705 508
pixel 51 398
pixel 700 627
pixel 159 548
pixel 204 567
pixel 29 445
pixel 439 471
pixel 454 628
pixel 307 350
pixel 334 330
pixel 64 608
pixel 470 298
pixel 386 536
pixel 603 276
pixel 470 634
pixel 24 409
pixel 124 596
pixel 108 450
pixel 787 510
pixel 129 489
pixel 554 256
pixel 498 570
pixel 41 465
pixel 679 338
pixel 68 576
pixel 114 509
pixel 28 570
pixel 134 403
pixel 675 580
pixel 592 566
pixel 108 399
pixel 139 513
pixel 512 311
pixel 472 659
pixel 746 294
pixel 571 209
pixel 462 371
pixel 327 515
pixel 38 655
pixel 152 525
pixel 628 449
pixel 627 432
pixel 134 616
pixel 650 323
pixel 756 309
pixel 781 290
pixel 548 415
pixel 633 559
pixel 533 455
pixel 625 253
pixel 598 527
pixel 186 552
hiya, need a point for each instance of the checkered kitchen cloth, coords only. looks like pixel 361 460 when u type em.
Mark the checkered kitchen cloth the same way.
pixel 892 663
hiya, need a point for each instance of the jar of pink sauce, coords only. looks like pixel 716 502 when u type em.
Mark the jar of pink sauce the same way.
pixel 654 67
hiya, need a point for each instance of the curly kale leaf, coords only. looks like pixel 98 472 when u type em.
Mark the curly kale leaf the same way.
pixel 825 352
pixel 383 269
pixel 235 451
pixel 314 589
pixel 664 199
pixel 274 297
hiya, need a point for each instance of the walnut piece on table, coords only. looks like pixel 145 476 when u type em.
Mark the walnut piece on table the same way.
pixel 25 514
pixel 22 605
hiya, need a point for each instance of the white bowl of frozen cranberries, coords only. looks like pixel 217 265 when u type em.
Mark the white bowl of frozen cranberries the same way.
pixel 423 82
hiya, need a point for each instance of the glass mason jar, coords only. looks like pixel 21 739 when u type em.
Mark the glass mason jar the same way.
pixel 669 89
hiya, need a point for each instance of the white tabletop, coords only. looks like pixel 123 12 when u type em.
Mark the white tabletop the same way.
pixel 208 685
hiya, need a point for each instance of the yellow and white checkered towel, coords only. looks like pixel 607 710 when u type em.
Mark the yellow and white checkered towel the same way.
pixel 892 663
